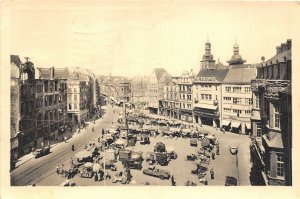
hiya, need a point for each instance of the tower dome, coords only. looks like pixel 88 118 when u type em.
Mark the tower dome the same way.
pixel 236 58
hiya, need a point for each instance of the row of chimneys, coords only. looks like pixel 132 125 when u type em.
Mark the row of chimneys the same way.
pixel 284 47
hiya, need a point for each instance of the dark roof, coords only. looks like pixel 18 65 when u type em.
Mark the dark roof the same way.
pixel 159 72
pixel 219 75
pixel 221 66
pixel 240 76
pixel 280 57
pixel 59 73
pixel 15 59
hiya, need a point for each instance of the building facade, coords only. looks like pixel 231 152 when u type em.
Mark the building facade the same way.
pixel 237 100
pixel 168 106
pixel 207 96
pixel 185 96
pixel 271 117
pixel 124 91
pixel 15 64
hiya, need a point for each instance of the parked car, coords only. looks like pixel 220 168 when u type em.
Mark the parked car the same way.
pixel 132 164
pixel 230 181
pixel 233 150
pixel 42 152
pixel 193 142
pixel 160 173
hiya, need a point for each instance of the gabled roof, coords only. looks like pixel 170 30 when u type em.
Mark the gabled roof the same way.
pixel 15 59
pixel 240 76
pixel 159 72
pixel 219 75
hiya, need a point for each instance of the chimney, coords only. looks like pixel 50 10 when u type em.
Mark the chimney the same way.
pixel 52 72
pixel 289 44
pixel 284 47
pixel 278 50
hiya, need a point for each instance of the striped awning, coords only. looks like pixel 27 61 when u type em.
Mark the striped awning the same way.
pixel 225 122
pixel 235 124
pixel 248 125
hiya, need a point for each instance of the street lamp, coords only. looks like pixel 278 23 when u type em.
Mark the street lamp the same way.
pixel 234 151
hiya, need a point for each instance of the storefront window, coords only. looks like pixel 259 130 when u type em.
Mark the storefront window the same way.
pixel 258 129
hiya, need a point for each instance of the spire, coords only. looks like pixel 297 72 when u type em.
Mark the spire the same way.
pixel 236 58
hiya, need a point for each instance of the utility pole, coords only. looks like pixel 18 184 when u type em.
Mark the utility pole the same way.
pixel 126 123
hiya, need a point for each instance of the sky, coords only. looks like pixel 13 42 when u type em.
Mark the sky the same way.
pixel 132 38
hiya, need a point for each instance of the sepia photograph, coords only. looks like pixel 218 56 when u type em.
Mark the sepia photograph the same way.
pixel 149 94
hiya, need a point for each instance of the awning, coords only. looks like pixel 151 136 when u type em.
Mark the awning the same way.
pixel 235 124
pixel 225 122
pixel 248 125
pixel 206 106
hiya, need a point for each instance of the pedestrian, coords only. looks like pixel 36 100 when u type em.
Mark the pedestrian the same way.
pixel 73 147
pixel 93 129
pixel 102 132
pixel 173 181
pixel 218 152
pixel 72 162
pixel 205 181
pixel 213 155
pixel 65 139
pixel 57 169
pixel 212 174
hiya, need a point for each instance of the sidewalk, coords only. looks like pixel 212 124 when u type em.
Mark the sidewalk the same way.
pixel 54 143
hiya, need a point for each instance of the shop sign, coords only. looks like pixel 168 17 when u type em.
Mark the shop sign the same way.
pixel 207 79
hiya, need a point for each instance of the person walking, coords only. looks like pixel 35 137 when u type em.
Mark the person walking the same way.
pixel 217 151
pixel 213 155
pixel 212 174
pixel 72 162
pixel 173 181
pixel 57 169
pixel 73 147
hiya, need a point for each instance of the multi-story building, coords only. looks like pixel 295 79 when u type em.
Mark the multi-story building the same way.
pixel 157 80
pixel 124 91
pixel 207 96
pixel 185 96
pixel 15 63
pixel 169 105
pixel 139 87
pixel 271 117
pixel 237 99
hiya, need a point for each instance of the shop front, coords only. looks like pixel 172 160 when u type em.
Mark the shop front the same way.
pixel 207 115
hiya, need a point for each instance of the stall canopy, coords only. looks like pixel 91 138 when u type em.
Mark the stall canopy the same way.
pixel 205 143
pixel 225 123
pixel 83 154
pixel 248 125
pixel 235 124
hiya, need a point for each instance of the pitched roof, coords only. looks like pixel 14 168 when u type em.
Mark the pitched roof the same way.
pixel 280 57
pixel 219 75
pixel 240 76
pixel 15 59
pixel 159 72
pixel 59 73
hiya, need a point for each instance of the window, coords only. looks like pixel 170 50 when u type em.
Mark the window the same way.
pixel 205 96
pixel 248 101
pixel 276 117
pixel 236 89
pixel 257 101
pixel 75 97
pixel 228 89
pixel 75 90
pixel 227 109
pixel 237 111
pixel 247 89
pixel 258 129
pixel 70 107
pixel 227 98
pixel 75 106
pixel 280 165
pixel 237 100
pixel 247 112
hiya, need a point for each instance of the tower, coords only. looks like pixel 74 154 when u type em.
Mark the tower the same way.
pixel 207 61
pixel 236 58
